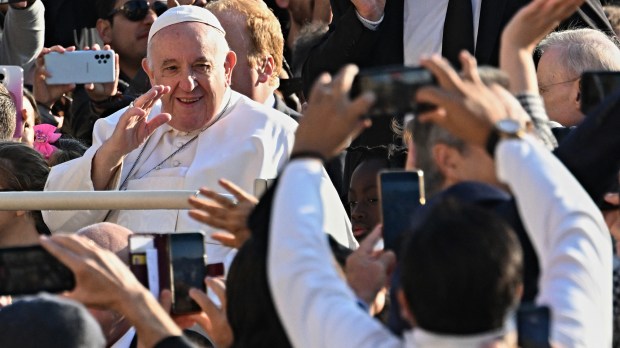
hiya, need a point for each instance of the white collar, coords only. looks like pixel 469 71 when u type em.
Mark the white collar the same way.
pixel 420 338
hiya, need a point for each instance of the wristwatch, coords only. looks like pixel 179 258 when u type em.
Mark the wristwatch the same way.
pixel 504 129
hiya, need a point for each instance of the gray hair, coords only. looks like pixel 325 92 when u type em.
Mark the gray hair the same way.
pixel 583 49
pixel 425 137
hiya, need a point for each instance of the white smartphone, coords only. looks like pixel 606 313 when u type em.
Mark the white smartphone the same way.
pixel 80 67
pixel 12 77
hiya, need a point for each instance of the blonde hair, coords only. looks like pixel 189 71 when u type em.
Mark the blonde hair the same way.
pixel 264 30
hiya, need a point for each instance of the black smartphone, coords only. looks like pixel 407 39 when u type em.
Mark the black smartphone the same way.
pixel 188 269
pixel 595 86
pixel 401 192
pixel 394 87
pixel 30 270
pixel 533 326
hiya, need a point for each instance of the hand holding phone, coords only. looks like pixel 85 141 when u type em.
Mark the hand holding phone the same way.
pixel 174 261
pixel 73 67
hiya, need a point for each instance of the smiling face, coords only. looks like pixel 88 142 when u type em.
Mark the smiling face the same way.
pixel 193 59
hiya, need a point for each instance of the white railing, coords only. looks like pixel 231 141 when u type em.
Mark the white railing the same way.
pixel 95 200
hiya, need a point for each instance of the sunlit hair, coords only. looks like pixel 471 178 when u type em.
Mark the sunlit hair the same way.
pixel 265 34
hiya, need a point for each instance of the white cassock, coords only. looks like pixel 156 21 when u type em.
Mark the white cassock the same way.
pixel 247 142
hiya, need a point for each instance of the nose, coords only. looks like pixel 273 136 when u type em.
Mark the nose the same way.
pixel 188 83
pixel 358 212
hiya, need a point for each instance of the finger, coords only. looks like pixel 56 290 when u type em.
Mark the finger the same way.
pixel 218 287
pixel 165 300
pixel 226 239
pixel 205 303
pixel 470 67
pixel 217 197
pixel 360 106
pixel 208 219
pixel 443 72
pixel 157 121
pixel 318 89
pixel 612 198
pixel 237 191
pixel 343 81
pixel 435 96
pixel 368 244
pixel 63 254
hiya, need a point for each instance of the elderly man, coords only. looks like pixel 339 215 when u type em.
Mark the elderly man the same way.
pixel 200 131
pixel 565 55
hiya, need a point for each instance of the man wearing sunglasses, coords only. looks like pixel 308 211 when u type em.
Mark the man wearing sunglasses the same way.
pixel 124 25
pixel 188 131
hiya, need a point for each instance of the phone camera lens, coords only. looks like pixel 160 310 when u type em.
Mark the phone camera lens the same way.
pixel 107 56
pixel 1 77
pixel 105 62
pixel 99 61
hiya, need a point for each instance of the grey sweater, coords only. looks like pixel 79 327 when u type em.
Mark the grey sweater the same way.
pixel 23 35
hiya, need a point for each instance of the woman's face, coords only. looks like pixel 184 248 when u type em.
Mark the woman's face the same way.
pixel 364 197
pixel 28 123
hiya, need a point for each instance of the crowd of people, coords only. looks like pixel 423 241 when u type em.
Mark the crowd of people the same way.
pixel 515 246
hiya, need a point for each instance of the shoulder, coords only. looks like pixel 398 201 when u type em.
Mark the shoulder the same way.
pixel 258 115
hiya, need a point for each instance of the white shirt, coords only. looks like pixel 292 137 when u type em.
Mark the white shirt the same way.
pixel 570 238
pixel 423 27
pixel 249 141
pixel 317 308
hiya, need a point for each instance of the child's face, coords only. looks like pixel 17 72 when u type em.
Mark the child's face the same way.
pixel 28 123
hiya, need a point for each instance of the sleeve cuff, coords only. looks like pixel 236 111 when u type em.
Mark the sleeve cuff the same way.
pixel 372 25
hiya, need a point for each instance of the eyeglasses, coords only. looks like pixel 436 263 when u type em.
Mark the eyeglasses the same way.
pixel 136 10
pixel 545 89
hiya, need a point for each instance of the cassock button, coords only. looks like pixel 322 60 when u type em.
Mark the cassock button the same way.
pixel 176 163
pixel 179 143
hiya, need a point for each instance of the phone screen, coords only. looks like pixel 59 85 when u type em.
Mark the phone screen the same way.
pixel 29 270
pixel 533 326
pixel 401 193
pixel 595 86
pixel 187 258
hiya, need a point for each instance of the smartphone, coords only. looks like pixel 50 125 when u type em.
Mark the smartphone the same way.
pixel 533 326
pixel 395 88
pixel 595 86
pixel 30 270
pixel 12 77
pixel 174 261
pixel 401 192
pixel 188 269
pixel 80 67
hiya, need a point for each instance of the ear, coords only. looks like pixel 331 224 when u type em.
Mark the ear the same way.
pixel 148 71
pixel 282 3
pixel 266 71
pixel 405 312
pixel 447 160
pixel 20 213
pixel 411 152
pixel 576 92
pixel 104 28
pixel 229 65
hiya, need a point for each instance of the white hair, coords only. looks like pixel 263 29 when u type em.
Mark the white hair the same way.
pixel 582 50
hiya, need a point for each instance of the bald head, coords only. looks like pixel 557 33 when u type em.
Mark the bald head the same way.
pixel 109 236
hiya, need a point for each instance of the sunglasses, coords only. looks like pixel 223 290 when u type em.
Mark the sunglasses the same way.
pixel 136 10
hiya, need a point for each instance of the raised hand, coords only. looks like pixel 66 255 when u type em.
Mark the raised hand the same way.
pixel 221 213
pixel 132 130
pixel 331 119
